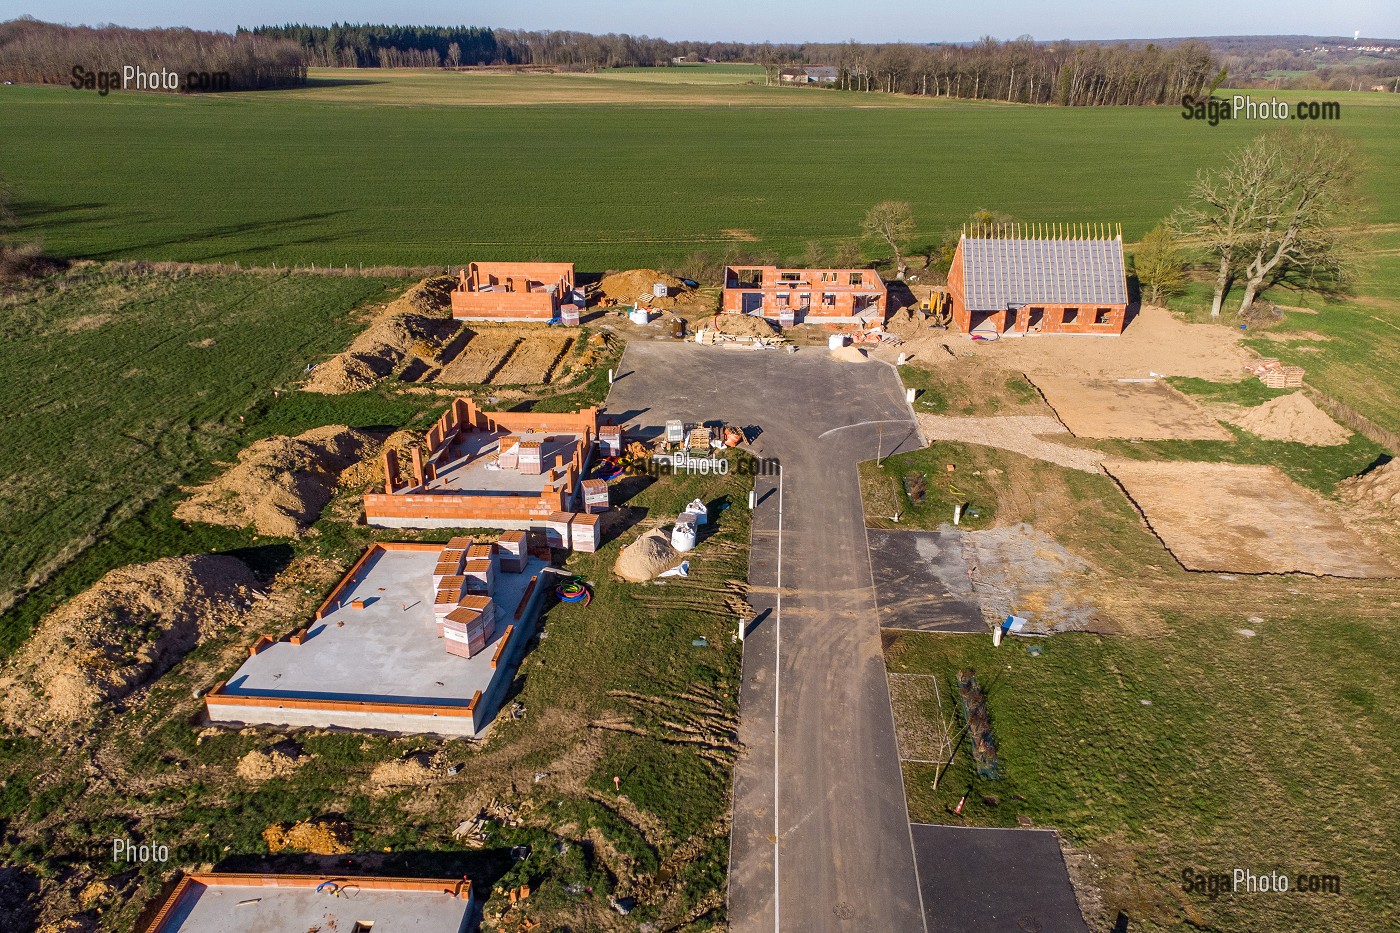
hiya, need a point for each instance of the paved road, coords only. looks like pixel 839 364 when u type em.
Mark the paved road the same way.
pixel 815 719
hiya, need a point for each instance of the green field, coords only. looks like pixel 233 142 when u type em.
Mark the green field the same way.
pixel 611 171
pixel 122 386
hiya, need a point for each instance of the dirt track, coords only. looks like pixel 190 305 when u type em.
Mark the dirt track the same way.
pixel 1022 434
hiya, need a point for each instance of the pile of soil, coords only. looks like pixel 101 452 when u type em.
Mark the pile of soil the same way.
pixel 370 470
pixel 319 837
pixel 741 325
pixel 123 632
pixel 647 557
pixel 279 484
pixel 1293 418
pixel 907 324
pixel 417 323
pixel 281 760
pixel 413 771
pixel 849 354
pixel 626 287
pixel 1380 486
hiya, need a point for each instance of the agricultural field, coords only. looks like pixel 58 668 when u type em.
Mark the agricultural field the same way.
pixel 656 167
pixel 123 385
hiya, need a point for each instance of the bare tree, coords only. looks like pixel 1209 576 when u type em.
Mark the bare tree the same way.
pixel 1306 207
pixel 893 222
pixel 1275 209
pixel 1160 266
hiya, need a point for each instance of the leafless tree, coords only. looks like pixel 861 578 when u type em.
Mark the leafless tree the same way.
pixel 893 222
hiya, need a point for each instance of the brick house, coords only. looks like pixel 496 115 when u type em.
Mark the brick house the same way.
pixel 1017 285
pixel 816 296
pixel 514 291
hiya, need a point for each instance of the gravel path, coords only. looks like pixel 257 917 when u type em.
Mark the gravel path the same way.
pixel 1023 434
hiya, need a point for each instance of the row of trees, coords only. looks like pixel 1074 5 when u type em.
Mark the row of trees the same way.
pixel 46 53
pixel 1023 70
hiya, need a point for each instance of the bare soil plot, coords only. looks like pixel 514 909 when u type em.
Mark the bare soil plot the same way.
pixel 485 354
pixel 1245 519
pixel 1022 434
pixel 1104 408
pixel 534 360
pixel 1020 570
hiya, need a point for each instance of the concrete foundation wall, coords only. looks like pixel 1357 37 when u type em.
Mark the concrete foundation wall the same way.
pixel 230 710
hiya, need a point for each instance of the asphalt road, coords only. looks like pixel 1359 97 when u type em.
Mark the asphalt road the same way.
pixel 821 836
pixel 923 582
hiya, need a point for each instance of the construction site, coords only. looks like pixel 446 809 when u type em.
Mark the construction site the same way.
pixel 415 638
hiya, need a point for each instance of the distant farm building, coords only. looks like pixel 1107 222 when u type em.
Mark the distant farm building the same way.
pixel 1051 282
pixel 515 291
pixel 512 470
pixel 794 296
pixel 809 74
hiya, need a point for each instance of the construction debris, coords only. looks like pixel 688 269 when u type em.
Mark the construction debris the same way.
pixel 1275 375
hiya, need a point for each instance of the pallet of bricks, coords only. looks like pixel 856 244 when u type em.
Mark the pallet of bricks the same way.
pixel 1275 375
pixel 464 584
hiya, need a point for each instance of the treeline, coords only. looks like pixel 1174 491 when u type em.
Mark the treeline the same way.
pixel 363 45
pixel 33 52
pixel 1021 70
pixel 1072 74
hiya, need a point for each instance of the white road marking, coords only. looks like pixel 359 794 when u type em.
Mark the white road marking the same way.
pixel 777 698
pixel 903 421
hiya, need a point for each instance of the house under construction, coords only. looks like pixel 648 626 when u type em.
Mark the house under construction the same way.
pixel 1018 279
pixel 515 291
pixel 499 469
pixel 814 296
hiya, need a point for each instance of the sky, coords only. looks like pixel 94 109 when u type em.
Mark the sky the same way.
pixel 772 20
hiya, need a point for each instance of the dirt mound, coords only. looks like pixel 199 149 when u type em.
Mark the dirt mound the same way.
pixel 319 837
pixel 1294 418
pixel 849 354
pixel 413 771
pixel 370 470
pixel 627 287
pixel 417 323
pixel 1380 486
pixel 281 760
pixel 741 325
pixel 648 556
pixel 906 324
pixel 127 629
pixel 279 484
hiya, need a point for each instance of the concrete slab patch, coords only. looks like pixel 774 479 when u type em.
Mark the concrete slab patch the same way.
pixel 994 880
pixel 1108 408
pixel 1245 519
pixel 921 582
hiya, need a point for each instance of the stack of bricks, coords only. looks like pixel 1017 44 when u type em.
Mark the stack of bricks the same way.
pixel 511 551
pixel 467 629
pixel 595 495
pixel 528 461
pixel 509 458
pixel 556 529
pixel 586 531
pixel 610 440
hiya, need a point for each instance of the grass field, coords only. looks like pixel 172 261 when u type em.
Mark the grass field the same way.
pixel 616 170
pixel 122 386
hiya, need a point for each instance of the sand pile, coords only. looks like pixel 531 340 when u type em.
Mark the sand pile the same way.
pixel 1293 418
pixel 848 354
pixel 412 771
pixel 741 325
pixel 279 484
pixel 319 837
pixel 370 470
pixel 626 287
pixel 907 324
pixel 1380 486
pixel 281 760
pixel 648 556
pixel 127 629
pixel 417 323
